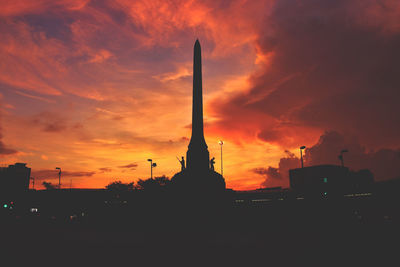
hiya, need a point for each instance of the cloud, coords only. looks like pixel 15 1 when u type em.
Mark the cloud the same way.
pixel 73 45
pixel 131 166
pixel 53 174
pixel 271 172
pixel 6 151
pixel 50 122
pixel 105 169
pixel 278 176
pixel 34 96
pixel 383 163
pixel 3 149
pixel 181 72
pixel 327 65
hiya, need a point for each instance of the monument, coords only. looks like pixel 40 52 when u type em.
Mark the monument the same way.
pixel 198 176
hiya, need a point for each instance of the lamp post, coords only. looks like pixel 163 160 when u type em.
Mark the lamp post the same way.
pixel 59 177
pixel 341 156
pixel 301 155
pixel 151 167
pixel 222 169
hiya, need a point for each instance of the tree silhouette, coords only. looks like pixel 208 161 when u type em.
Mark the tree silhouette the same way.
pixel 49 186
pixel 153 184
pixel 119 186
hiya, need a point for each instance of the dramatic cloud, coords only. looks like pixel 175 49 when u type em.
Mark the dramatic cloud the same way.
pixel 326 65
pixel 279 176
pixel 384 163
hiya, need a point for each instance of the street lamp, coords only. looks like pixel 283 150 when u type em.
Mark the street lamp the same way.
pixel 301 155
pixel 151 167
pixel 222 170
pixel 59 177
pixel 341 156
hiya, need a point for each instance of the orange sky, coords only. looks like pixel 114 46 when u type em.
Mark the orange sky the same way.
pixel 98 87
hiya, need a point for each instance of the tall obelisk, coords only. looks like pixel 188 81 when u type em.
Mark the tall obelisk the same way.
pixel 197 156
pixel 198 178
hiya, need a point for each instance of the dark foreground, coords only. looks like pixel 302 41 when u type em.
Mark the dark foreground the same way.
pixel 354 232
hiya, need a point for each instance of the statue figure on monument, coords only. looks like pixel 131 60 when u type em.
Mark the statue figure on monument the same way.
pixel 212 162
pixel 182 163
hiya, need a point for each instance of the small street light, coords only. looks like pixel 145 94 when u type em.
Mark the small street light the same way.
pixel 301 155
pixel 152 165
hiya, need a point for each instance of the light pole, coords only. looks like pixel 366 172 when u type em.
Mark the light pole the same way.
pixel 341 156
pixel 33 182
pixel 222 169
pixel 59 177
pixel 151 167
pixel 301 155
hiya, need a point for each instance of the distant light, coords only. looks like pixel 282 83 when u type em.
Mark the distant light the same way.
pixel 325 180
pixel 33 210
pixel 260 200
pixel 325 193
pixel 5 206
pixel 221 142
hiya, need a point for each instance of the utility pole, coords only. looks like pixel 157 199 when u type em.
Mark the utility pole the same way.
pixel 59 177
pixel 301 155
pixel 222 170
pixel 341 156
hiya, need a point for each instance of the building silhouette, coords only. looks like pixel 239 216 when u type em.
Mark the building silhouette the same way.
pixel 197 176
pixel 14 179
pixel 328 180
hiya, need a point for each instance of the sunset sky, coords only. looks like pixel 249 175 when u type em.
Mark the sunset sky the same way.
pixel 98 87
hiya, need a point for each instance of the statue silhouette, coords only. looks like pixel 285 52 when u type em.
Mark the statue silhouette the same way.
pixel 182 163
pixel 212 162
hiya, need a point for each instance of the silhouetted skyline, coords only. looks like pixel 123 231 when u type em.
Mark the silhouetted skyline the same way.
pixel 97 88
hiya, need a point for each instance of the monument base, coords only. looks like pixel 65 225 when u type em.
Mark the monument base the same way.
pixel 205 182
